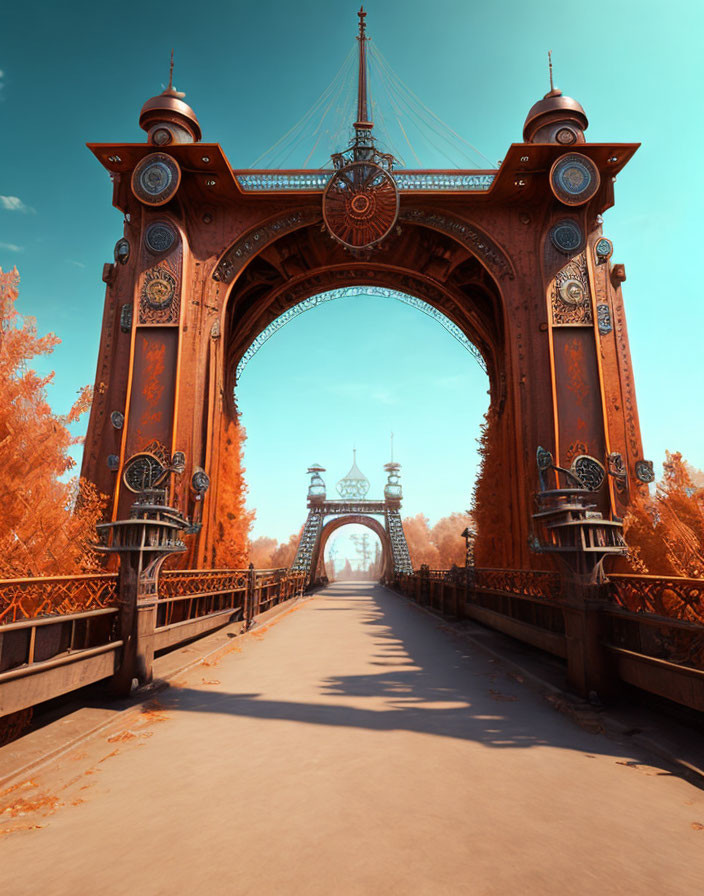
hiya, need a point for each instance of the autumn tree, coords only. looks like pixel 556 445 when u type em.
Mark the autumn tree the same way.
pixel 440 546
pixel 260 551
pixel 233 520
pixel 665 531
pixel 420 544
pixel 47 525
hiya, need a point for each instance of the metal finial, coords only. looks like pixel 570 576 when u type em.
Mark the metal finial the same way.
pixel 362 24
pixel 552 86
pixel 171 71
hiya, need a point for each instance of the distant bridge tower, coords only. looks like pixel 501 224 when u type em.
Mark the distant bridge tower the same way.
pixel 325 516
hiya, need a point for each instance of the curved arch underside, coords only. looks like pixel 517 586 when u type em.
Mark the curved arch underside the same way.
pixel 343 292
pixel 360 520
pixel 425 264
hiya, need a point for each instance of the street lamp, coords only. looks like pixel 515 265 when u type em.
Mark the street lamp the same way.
pixel 469 535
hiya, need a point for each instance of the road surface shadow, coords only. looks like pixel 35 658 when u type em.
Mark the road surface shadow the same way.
pixel 431 684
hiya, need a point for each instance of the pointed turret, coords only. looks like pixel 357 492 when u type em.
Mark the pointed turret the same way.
pixel 355 484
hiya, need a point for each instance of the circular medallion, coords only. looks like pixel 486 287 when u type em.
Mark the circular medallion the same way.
pixel 566 136
pixel 117 418
pixel 589 471
pixel 141 472
pixel 572 292
pixel 122 251
pixel 574 179
pixel 159 288
pixel 162 136
pixel 644 471
pixel 200 481
pixel 156 179
pixel 567 236
pixel 160 237
pixel 360 205
pixel 113 462
pixel 604 248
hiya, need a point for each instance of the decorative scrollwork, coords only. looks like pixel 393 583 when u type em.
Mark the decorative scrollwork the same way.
pixel 55 596
pixel 523 582
pixel 589 471
pixel 360 205
pixel 571 298
pixel 644 471
pixel 476 241
pixel 240 252
pixel 603 318
pixel 160 296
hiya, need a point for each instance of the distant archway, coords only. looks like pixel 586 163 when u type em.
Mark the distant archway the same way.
pixel 361 520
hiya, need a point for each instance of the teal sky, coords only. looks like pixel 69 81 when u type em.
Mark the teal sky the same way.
pixel 77 72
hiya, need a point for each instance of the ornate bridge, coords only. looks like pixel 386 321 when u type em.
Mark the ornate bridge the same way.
pixel 325 516
pixel 513 262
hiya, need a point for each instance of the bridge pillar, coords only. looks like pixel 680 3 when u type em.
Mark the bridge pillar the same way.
pixel 143 542
pixel 588 666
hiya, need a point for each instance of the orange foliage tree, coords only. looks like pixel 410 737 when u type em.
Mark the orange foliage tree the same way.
pixel 440 546
pixel 267 553
pixel 233 520
pixel 665 531
pixel 47 525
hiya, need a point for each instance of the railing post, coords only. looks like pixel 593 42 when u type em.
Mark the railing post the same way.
pixel 249 597
pixel 587 662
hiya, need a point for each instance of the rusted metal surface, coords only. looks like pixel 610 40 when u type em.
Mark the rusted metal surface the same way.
pixel 56 595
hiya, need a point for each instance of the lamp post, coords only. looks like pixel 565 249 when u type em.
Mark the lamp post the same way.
pixel 469 535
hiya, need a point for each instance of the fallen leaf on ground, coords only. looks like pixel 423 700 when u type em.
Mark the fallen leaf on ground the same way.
pixel 46 804
pixel 502 698
pixel 210 681
pixel 696 826
pixel 124 735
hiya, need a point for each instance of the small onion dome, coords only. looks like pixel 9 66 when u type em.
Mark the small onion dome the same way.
pixel 167 119
pixel 555 119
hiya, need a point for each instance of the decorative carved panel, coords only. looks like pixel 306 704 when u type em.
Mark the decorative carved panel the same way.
pixel 570 295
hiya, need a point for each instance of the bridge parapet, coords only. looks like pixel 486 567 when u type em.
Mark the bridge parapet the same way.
pixel 643 631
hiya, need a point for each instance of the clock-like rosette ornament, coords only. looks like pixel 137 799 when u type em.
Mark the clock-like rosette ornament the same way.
pixel 574 179
pixel 141 471
pixel 156 179
pixel 360 205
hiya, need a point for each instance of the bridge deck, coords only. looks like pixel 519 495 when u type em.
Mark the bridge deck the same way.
pixel 353 747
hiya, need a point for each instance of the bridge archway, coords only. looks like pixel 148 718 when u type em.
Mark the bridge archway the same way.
pixel 361 520
pixel 514 257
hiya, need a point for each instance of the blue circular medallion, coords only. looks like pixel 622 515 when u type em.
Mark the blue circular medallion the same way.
pixel 574 179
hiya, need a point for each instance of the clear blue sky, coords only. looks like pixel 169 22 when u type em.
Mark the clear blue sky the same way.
pixel 77 72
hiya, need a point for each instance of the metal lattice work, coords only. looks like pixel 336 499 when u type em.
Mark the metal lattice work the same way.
pixel 309 541
pixel 399 546
pixel 191 582
pixel 406 181
pixel 674 596
pixel 344 292
pixel 55 596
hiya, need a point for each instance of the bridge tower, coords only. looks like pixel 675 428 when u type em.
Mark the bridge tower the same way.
pixel 326 515
pixel 514 259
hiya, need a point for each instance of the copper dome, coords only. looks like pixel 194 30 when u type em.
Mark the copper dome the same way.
pixel 554 102
pixel 170 106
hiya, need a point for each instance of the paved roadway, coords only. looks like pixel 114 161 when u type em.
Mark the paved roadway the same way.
pixel 354 746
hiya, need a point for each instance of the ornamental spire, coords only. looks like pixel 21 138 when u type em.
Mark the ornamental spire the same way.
pixel 362 110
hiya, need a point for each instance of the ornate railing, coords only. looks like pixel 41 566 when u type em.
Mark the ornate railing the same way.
pixel 522 582
pixel 645 631
pixel 673 597
pixel 55 595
